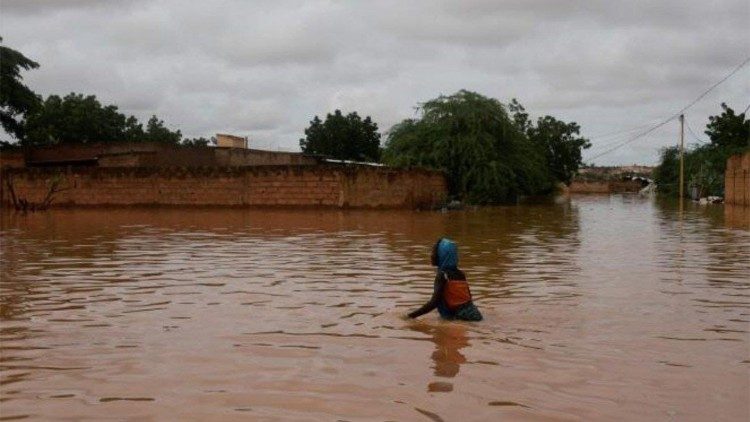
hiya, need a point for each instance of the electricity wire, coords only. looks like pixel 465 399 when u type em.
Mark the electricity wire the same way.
pixel 672 117
pixel 690 129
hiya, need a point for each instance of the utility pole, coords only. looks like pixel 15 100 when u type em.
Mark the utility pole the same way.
pixel 682 160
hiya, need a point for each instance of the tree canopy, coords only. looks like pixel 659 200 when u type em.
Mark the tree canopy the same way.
pixel 16 99
pixel 488 154
pixel 343 137
pixel 705 164
pixel 76 118
pixel 560 142
pixel 198 142
pixel 729 130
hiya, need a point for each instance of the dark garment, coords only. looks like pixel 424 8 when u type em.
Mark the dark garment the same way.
pixel 467 311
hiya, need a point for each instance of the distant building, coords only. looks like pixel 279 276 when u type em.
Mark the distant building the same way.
pixel 615 171
pixel 230 141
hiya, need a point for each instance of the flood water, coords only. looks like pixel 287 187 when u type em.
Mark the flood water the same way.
pixel 599 307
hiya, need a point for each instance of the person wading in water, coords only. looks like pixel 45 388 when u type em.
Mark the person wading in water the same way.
pixel 451 295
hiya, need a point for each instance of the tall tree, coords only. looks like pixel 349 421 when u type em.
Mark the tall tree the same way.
pixel 729 129
pixel 343 137
pixel 16 99
pixel 560 142
pixel 157 132
pixel 487 158
pixel 76 118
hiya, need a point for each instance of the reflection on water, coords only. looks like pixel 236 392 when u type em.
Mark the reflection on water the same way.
pixel 449 339
pixel 595 308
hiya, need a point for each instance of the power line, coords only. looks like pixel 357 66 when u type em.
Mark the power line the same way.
pixel 690 129
pixel 617 132
pixel 633 139
pixel 617 140
pixel 736 69
pixel 692 103
pixel 617 137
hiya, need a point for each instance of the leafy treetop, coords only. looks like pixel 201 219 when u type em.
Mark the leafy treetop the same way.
pixel 16 99
pixel 729 129
pixel 472 137
pixel 560 141
pixel 343 137
pixel 76 118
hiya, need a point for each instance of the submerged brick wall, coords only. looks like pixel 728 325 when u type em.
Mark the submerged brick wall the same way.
pixel 612 186
pixel 737 180
pixel 326 186
pixel 11 159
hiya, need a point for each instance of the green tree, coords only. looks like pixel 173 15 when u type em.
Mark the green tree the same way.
pixel 16 99
pixel 666 174
pixel 705 164
pixel 198 142
pixel 76 118
pixel 560 142
pixel 157 132
pixel 729 130
pixel 487 157
pixel 343 137
pixel 520 116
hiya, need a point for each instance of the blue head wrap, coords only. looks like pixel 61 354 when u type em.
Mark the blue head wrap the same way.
pixel 447 255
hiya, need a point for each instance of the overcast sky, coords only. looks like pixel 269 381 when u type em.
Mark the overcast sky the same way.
pixel 263 69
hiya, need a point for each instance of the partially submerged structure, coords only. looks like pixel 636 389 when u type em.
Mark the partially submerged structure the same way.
pixel 124 174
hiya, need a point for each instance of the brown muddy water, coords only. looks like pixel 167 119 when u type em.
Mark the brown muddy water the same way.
pixel 597 308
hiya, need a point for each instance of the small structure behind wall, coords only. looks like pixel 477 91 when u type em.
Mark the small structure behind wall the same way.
pixel 230 141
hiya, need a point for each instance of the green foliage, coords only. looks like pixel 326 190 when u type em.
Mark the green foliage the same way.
pixel 9 146
pixel 561 145
pixel 489 155
pixel 198 142
pixel 704 169
pixel 729 130
pixel 343 137
pixel 16 99
pixel 79 119
pixel 157 132
pixel 705 165
pixel 560 141
pixel 486 157
pixel 82 119
pixel 667 174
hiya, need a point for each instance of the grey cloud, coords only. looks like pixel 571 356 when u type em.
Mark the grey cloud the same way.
pixel 37 7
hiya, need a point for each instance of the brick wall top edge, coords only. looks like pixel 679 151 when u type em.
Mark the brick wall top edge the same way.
pixel 265 169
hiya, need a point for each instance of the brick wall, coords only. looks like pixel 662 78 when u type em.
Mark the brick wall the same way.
pixel 11 159
pixel 294 186
pixel 255 157
pixel 737 180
